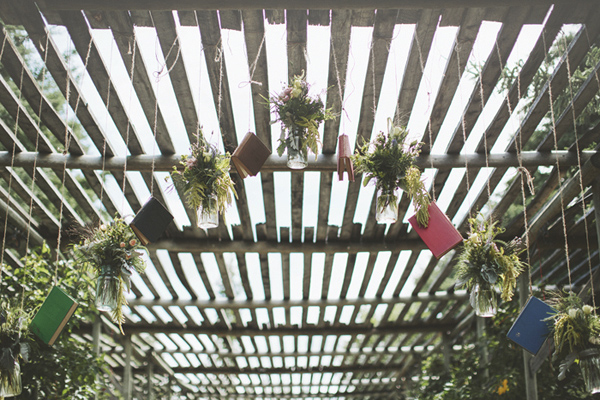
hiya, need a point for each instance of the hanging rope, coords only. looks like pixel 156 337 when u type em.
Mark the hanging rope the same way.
pixel 463 124
pixel 339 85
pixel 582 187
pixel 131 74
pixel 560 189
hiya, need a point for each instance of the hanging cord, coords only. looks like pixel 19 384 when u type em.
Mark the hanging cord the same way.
pixel 67 140
pixel 339 85
pixel 463 123
pixel 560 189
pixel 37 142
pixel 422 65
pixel 11 171
pixel 578 152
pixel 131 74
pixel 524 173
pixel 249 82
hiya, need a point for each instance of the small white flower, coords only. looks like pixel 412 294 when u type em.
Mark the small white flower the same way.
pixel 572 312
pixel 587 309
pixel 594 340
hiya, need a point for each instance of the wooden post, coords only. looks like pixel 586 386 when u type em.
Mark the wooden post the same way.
pixel 150 378
pixel 96 332
pixel 127 378
pixel 530 375
pixel 446 351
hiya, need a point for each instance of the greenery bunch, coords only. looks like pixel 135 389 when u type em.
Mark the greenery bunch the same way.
pixel 391 162
pixel 298 111
pixel 488 261
pixel 13 338
pixel 205 172
pixel 576 325
pixel 113 249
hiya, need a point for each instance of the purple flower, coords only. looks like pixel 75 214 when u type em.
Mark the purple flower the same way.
pixel 191 162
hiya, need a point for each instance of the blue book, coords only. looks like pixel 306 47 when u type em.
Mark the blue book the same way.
pixel 532 328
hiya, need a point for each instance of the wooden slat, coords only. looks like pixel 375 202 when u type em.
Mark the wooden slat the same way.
pixel 231 19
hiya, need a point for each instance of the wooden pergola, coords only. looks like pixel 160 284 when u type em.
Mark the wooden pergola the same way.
pixel 366 338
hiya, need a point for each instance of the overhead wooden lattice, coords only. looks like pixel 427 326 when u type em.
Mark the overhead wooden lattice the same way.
pixel 300 293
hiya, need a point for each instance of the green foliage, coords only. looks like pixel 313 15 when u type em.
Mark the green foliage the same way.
pixel 488 261
pixel 112 250
pixel 389 160
pixel 205 173
pixel 69 369
pixel 296 109
pixel 467 378
pixel 576 326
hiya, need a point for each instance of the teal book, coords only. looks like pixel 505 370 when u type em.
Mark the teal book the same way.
pixel 53 316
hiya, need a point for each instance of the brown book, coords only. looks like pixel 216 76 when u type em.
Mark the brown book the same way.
pixel 250 155
pixel 344 161
pixel 151 221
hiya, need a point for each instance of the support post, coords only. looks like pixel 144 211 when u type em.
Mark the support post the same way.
pixel 530 375
pixel 483 351
pixel 96 332
pixel 150 379
pixel 127 378
pixel 446 352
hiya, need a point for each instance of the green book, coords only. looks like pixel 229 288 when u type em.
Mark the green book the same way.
pixel 53 315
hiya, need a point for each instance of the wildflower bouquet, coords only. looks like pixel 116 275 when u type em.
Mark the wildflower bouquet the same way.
pixel 301 115
pixel 114 253
pixel 205 175
pixel 390 161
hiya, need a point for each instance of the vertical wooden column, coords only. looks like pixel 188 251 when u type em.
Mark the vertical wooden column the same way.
pixel 150 379
pixel 446 352
pixel 483 351
pixel 96 332
pixel 530 376
pixel 127 378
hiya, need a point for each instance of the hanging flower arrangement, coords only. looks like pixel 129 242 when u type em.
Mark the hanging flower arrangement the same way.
pixel 390 162
pixel 576 332
pixel 13 349
pixel 114 253
pixel 204 180
pixel 487 262
pixel 301 116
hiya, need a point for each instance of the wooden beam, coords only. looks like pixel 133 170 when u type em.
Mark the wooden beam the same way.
pixel 189 5
pixel 324 163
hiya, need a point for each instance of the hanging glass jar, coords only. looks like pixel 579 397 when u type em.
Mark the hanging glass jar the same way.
pixel 387 207
pixel 107 288
pixel 589 362
pixel 208 216
pixel 296 157
pixel 483 301
pixel 10 381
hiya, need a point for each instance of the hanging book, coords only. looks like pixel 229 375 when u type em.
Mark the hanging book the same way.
pixel 151 221
pixel 532 327
pixel 440 236
pixel 250 155
pixel 52 317
pixel 344 163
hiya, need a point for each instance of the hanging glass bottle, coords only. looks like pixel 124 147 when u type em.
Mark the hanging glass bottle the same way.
pixel 483 301
pixel 296 158
pixel 107 288
pixel 589 362
pixel 10 381
pixel 208 215
pixel 387 207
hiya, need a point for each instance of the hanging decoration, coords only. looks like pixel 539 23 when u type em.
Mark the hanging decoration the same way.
pixel 13 349
pixel 53 315
pixel 440 235
pixel 344 161
pixel 301 116
pixel 151 221
pixel 249 157
pixel 532 327
pixel 487 263
pixel 205 182
pixel 114 253
pixel 390 161
pixel 576 333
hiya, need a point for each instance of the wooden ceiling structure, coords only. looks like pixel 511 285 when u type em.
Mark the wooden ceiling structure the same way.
pixel 343 346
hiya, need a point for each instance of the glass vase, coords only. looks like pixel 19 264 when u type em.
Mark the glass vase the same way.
pixel 208 217
pixel 483 301
pixel 590 369
pixel 107 289
pixel 296 158
pixel 387 207
pixel 10 381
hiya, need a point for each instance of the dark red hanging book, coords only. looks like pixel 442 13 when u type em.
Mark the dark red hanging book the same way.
pixel 344 163
pixel 440 235
pixel 250 155
pixel 151 221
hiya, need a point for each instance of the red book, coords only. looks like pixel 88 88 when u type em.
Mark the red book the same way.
pixel 344 162
pixel 440 235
